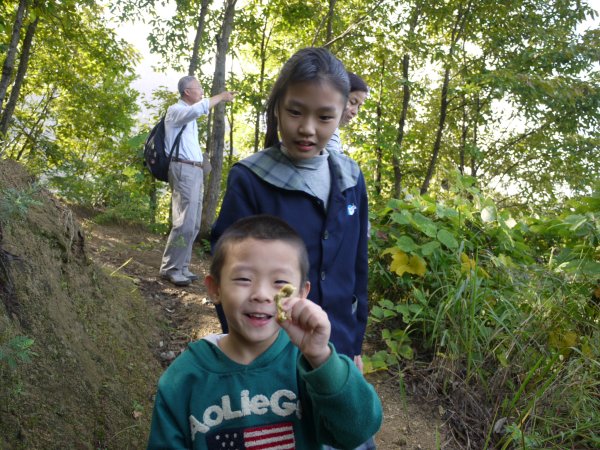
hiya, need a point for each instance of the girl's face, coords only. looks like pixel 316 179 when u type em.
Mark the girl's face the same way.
pixel 307 116
pixel 355 101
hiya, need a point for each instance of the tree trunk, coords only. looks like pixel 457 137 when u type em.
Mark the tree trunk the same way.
pixel 330 15
pixel 457 31
pixel 401 126
pixel 230 156
pixel 405 102
pixel 9 62
pixel 194 61
pixel 379 149
pixel 218 129
pixel 153 201
pixel 16 89
pixel 261 81
pixel 231 122
pixel 440 131
pixel 475 138
pixel 463 137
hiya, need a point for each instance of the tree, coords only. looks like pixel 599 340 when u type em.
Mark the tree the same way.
pixel 21 71
pixel 218 130
pixel 9 60
pixel 195 59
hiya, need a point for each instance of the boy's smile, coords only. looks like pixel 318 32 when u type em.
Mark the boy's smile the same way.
pixel 252 273
pixel 307 116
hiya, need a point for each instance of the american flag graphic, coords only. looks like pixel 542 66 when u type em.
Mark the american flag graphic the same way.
pixel 272 437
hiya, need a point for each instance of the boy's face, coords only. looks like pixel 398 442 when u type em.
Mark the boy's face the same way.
pixel 252 273
pixel 307 116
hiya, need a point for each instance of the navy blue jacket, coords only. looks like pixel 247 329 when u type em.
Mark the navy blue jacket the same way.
pixel 336 239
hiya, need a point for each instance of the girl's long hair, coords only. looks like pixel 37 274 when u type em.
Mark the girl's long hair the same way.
pixel 314 64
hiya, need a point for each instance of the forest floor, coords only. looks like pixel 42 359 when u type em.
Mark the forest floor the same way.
pixel 410 421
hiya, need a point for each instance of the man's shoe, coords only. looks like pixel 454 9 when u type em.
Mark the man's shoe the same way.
pixel 190 275
pixel 176 278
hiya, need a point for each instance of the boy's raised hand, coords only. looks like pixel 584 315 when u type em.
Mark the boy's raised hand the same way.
pixel 309 329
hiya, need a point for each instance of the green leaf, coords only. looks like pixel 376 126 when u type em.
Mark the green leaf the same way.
pixel 406 244
pixel 425 225
pixel 377 312
pixel 402 218
pixel 429 248
pixel 446 238
pixel 385 303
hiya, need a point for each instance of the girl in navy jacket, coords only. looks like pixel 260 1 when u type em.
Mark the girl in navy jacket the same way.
pixel 321 194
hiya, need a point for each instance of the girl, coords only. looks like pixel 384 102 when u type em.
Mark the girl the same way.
pixel 359 92
pixel 321 194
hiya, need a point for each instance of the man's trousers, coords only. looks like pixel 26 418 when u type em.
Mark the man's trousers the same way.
pixel 187 186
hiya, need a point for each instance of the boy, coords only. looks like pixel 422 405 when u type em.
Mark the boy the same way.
pixel 259 386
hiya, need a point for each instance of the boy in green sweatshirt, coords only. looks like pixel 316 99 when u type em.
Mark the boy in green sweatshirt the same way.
pixel 270 382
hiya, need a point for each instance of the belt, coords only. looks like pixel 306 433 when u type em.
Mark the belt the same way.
pixel 187 161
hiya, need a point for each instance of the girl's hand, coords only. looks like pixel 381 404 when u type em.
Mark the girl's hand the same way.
pixel 309 329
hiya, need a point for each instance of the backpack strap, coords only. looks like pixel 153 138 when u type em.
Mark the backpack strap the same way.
pixel 176 143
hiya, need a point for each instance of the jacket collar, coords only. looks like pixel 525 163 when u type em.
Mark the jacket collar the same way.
pixel 274 167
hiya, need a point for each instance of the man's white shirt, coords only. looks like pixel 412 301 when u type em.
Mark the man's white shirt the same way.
pixel 179 115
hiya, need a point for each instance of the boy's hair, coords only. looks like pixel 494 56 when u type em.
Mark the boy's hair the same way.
pixel 357 83
pixel 183 83
pixel 262 227
pixel 308 64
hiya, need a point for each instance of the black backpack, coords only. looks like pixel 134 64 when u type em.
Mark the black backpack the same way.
pixel 155 157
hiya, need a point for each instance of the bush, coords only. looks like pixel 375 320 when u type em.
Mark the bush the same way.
pixel 500 309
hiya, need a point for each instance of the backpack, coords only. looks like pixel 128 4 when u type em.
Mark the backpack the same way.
pixel 155 157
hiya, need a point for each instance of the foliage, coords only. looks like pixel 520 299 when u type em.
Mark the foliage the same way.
pixel 17 350
pixel 501 302
pixel 15 203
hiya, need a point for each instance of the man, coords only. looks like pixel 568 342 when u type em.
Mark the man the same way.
pixel 186 177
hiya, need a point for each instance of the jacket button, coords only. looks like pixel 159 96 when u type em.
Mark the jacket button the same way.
pixel 326 235
pixel 322 275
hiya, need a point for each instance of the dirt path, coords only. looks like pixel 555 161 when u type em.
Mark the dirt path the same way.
pixel 409 422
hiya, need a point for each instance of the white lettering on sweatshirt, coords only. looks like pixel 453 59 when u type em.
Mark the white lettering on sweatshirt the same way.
pixel 282 403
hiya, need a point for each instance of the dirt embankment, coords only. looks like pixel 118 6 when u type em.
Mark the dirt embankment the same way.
pixel 104 326
pixel 86 384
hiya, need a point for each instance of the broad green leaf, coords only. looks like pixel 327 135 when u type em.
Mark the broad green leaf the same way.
pixel 429 248
pixel 406 244
pixel 446 238
pixel 575 221
pixel 377 312
pixel 387 304
pixel 406 352
pixel 425 225
pixel 402 218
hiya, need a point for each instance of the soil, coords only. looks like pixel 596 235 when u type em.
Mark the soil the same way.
pixel 410 422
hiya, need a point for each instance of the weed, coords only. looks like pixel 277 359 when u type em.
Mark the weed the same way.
pixel 16 351
pixel 14 203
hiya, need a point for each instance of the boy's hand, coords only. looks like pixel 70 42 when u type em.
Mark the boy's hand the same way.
pixel 309 329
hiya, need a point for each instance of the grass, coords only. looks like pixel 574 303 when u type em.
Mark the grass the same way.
pixel 507 329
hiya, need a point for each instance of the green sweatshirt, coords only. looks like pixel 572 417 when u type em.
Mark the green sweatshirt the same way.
pixel 207 401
